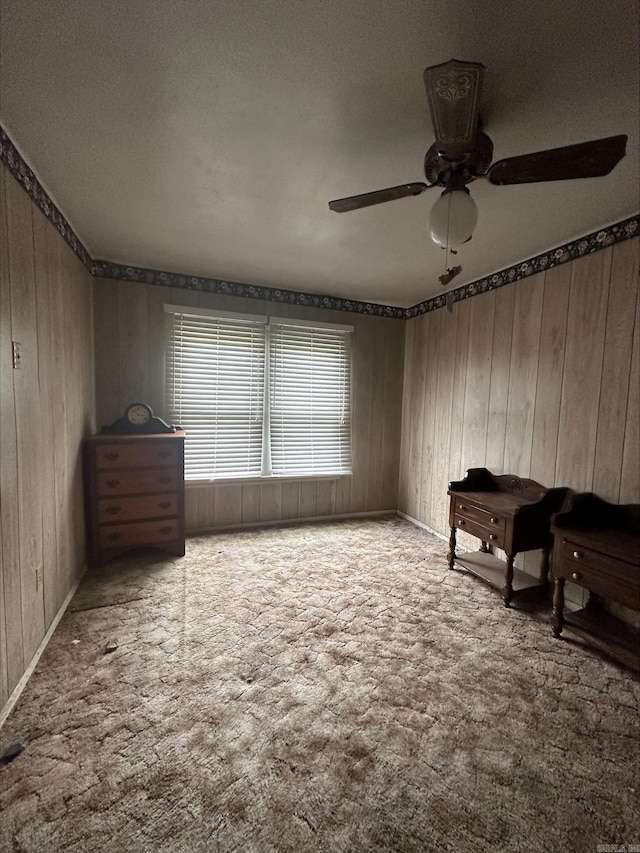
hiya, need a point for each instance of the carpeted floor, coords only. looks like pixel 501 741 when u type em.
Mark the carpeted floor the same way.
pixel 316 688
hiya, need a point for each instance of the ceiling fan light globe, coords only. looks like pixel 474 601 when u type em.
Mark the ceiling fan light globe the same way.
pixel 453 218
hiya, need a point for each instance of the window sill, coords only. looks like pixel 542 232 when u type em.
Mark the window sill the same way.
pixel 244 481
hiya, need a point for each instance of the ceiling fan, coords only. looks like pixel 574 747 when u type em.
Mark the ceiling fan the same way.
pixel 462 153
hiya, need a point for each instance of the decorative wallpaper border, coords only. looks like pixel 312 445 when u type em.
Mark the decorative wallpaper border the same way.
pixel 105 269
pixel 24 175
pixel 12 159
pixel 624 230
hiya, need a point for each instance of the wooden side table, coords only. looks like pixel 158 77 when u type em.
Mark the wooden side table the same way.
pixel 507 512
pixel 597 547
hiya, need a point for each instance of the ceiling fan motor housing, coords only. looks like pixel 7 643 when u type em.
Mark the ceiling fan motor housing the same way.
pixel 438 170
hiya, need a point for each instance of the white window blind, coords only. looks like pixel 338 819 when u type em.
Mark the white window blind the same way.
pixel 259 399
pixel 309 383
pixel 215 385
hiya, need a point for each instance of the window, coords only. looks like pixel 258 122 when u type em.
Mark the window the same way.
pixel 259 397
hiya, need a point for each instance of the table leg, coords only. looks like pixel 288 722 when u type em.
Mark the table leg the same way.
pixel 557 620
pixel 452 548
pixel 593 602
pixel 544 566
pixel 507 589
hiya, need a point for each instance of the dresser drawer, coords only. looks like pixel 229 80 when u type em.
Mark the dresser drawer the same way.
pixel 142 482
pixel 598 572
pixel 138 533
pixel 143 506
pixel 494 534
pixel 485 517
pixel 138 455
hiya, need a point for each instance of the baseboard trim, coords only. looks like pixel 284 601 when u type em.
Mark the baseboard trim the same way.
pixel 422 525
pixel 20 686
pixel 287 522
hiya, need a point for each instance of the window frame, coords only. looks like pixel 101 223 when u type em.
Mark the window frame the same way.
pixel 266 321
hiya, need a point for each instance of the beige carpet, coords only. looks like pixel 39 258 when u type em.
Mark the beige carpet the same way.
pixel 316 688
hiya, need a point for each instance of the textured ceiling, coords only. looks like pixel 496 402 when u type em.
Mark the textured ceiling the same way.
pixel 207 137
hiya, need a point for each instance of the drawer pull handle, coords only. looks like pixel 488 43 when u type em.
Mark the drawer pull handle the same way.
pixel 164 530
pixel 461 522
pixel 576 576
pixel 492 536
pixel 111 456
pixel 163 454
pixel 113 510
pixel 113 483
pixel 461 506
pixel 164 504
pixel 578 555
pixel 112 537
pixel 495 520
pixel 164 480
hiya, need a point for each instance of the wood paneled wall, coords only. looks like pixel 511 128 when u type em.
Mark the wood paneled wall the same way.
pixel 46 407
pixel 129 339
pixel 539 378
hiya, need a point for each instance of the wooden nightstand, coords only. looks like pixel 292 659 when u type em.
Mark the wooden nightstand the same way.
pixel 134 493
pixel 597 547
pixel 505 512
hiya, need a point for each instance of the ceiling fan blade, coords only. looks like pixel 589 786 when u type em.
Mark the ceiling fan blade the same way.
pixel 585 160
pixel 453 92
pixel 355 202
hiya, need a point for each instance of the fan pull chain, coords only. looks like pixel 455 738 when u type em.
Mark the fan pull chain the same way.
pixel 448 274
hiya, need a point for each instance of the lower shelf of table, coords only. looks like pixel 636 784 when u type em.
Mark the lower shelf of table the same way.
pixel 607 633
pixel 492 570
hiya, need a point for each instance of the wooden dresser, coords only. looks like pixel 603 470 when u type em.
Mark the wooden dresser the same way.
pixel 134 493
pixel 597 547
pixel 504 512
